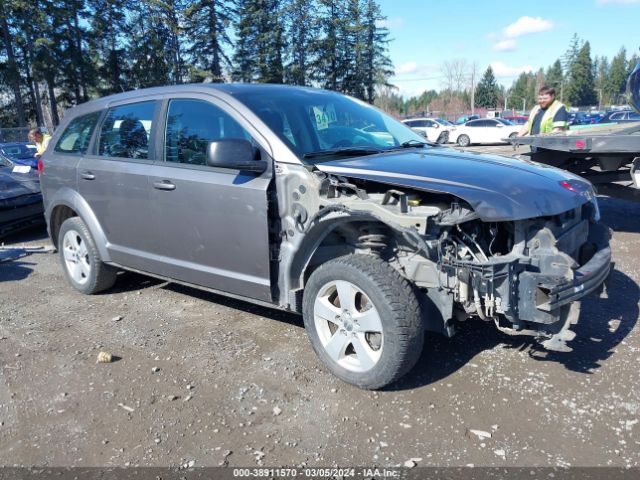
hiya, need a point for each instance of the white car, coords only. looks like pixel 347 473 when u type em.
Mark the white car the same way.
pixel 433 129
pixel 485 130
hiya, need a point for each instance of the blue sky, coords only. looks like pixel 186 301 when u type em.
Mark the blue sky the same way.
pixel 512 36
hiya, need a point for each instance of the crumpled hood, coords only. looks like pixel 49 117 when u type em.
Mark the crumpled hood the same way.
pixel 498 188
pixel 17 184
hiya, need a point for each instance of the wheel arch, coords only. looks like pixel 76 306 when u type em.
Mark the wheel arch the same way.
pixel 310 254
pixel 68 203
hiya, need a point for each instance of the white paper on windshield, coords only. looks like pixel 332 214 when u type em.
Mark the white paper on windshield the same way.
pixel 21 169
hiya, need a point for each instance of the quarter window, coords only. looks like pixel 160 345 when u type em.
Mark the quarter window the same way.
pixel 77 135
pixel 126 131
pixel 192 125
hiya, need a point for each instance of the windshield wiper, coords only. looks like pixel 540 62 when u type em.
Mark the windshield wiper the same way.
pixel 416 144
pixel 346 151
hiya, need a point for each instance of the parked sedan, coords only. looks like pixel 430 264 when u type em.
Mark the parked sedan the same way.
pixel 20 153
pixel 20 198
pixel 621 116
pixel 485 130
pixel 517 119
pixel 433 129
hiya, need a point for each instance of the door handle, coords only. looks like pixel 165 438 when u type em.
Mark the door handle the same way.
pixel 164 185
pixel 87 175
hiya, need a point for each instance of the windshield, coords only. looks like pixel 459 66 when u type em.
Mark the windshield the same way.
pixel 17 151
pixel 319 123
pixel 442 121
pixel 5 162
pixel 503 121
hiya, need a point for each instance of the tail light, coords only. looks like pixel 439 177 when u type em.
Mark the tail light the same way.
pixel 40 166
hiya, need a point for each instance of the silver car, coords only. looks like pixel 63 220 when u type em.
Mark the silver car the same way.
pixel 317 203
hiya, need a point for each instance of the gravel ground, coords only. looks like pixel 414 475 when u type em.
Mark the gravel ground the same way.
pixel 200 378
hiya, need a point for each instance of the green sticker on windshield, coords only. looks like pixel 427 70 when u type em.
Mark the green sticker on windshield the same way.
pixel 324 116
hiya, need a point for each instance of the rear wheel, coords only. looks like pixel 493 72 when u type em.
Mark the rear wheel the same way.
pixel 80 259
pixel 464 140
pixel 363 320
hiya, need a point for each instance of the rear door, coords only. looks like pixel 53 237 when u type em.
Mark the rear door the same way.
pixel 113 179
pixel 213 221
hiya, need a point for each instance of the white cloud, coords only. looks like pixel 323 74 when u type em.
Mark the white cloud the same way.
pixel 396 22
pixel 526 25
pixel 409 67
pixel 502 70
pixel 415 68
pixel 617 2
pixel 505 45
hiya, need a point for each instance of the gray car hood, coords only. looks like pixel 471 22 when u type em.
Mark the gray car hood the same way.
pixel 17 184
pixel 498 188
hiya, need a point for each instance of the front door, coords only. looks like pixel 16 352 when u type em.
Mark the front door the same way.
pixel 213 221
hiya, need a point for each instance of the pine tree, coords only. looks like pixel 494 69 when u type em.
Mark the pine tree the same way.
pixel 330 67
pixel 617 75
pixel 153 52
pixel 301 30
pixel 487 90
pixel 12 74
pixel 108 26
pixel 260 47
pixel 571 54
pixel 207 23
pixel 581 89
pixel 523 92
pixel 377 64
pixel 601 79
pixel 554 77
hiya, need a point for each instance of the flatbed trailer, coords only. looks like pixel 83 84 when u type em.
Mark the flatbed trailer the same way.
pixel 601 155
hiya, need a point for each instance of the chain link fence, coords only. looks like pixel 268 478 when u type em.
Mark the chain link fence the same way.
pixel 8 135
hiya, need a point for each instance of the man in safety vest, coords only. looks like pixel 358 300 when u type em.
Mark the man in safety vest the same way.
pixel 549 116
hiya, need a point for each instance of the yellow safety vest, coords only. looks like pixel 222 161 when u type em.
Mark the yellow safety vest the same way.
pixel 546 124
pixel 41 147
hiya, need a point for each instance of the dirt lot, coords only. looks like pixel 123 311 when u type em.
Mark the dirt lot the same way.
pixel 204 379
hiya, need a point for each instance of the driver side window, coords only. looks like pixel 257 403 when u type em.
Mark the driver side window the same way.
pixel 192 125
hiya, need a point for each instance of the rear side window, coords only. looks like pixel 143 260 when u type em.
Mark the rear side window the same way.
pixel 126 131
pixel 191 125
pixel 76 137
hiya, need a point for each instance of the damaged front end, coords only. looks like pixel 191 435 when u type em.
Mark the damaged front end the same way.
pixel 532 281
pixel 526 275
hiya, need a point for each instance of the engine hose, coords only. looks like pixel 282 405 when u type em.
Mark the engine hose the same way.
pixel 478 304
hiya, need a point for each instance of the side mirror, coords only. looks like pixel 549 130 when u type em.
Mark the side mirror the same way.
pixel 500 125
pixel 436 125
pixel 234 153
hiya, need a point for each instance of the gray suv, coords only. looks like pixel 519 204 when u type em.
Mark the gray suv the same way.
pixel 317 203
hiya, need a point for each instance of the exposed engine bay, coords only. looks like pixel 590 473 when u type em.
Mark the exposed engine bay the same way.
pixel 523 275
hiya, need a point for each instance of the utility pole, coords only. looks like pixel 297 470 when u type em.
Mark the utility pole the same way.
pixel 473 89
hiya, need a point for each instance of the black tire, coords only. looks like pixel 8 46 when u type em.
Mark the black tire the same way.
pixel 513 135
pixel 443 138
pixel 464 140
pixel 395 302
pixel 97 276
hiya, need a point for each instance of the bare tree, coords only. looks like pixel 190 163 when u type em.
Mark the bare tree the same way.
pixel 454 75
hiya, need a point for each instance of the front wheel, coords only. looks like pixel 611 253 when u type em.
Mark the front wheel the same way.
pixel 363 320
pixel 464 140
pixel 80 259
